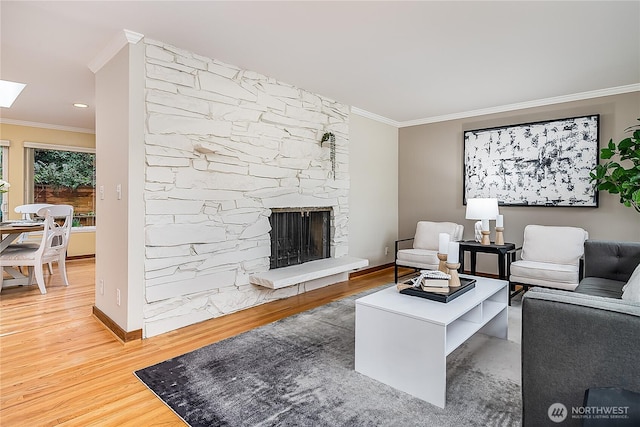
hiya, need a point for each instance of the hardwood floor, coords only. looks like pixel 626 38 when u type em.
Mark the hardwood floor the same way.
pixel 60 366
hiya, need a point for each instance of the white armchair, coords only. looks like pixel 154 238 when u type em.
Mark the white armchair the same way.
pixel 423 254
pixel 551 257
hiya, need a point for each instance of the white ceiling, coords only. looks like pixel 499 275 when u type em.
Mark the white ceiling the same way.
pixel 404 61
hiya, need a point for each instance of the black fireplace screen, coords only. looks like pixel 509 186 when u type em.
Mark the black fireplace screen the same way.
pixel 299 235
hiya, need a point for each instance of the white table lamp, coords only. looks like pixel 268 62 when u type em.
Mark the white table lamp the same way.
pixel 483 209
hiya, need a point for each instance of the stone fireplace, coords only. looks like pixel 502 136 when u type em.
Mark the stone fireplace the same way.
pixel 225 149
pixel 299 235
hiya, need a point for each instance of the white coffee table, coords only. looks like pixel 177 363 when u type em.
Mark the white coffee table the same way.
pixel 403 340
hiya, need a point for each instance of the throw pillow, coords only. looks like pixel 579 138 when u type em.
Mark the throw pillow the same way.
pixel 631 291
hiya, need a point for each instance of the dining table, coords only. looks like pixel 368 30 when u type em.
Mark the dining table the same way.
pixel 10 231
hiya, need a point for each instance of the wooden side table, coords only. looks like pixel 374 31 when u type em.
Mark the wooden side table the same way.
pixel 474 247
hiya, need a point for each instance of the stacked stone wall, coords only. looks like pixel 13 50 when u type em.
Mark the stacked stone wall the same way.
pixel 223 146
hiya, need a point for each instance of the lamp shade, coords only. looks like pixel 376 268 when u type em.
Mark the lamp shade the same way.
pixel 481 208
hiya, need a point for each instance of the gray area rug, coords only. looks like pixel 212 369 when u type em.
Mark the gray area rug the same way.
pixel 299 371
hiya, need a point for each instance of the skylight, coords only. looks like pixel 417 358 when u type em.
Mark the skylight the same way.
pixel 9 91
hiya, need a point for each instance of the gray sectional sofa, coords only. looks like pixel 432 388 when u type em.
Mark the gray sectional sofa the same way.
pixel 580 340
pixel 607 267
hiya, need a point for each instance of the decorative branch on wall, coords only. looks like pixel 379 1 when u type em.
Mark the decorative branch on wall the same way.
pixel 331 138
pixel 533 164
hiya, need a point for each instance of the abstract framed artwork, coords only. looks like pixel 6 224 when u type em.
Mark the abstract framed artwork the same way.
pixel 533 164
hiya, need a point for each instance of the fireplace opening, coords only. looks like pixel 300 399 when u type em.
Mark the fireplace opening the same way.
pixel 299 235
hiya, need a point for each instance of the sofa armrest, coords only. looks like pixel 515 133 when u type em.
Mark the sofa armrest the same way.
pixel 610 259
pixel 572 342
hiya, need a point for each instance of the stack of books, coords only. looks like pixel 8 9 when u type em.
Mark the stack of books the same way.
pixel 434 285
pixel 432 281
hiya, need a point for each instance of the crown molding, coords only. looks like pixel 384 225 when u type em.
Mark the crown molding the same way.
pixel 46 126
pixel 617 90
pixel 115 45
pixel 529 104
pixel 372 116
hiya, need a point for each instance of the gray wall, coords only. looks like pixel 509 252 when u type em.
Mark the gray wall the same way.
pixel 430 175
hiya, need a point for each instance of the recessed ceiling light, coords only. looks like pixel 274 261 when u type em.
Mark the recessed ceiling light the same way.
pixel 79 105
pixel 9 91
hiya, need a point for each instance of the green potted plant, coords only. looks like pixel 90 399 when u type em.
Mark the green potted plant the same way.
pixel 622 176
pixel 331 139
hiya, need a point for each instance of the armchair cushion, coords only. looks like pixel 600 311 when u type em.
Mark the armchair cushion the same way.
pixel 558 245
pixel 418 258
pixel 548 274
pixel 428 233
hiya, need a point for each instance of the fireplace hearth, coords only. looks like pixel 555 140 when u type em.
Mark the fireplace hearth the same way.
pixel 299 235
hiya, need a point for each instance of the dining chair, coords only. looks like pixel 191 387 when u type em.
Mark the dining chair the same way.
pixel 52 248
pixel 28 211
